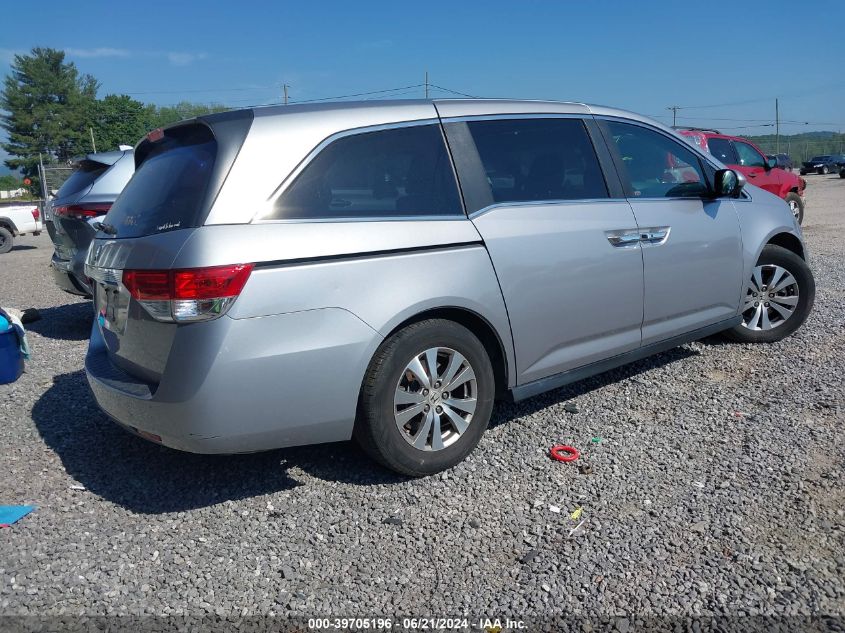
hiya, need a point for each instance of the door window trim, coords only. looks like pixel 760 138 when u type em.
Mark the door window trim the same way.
pixel 601 121
pixel 288 180
pixel 478 197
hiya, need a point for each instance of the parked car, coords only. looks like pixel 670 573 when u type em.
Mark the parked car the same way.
pixel 83 200
pixel 782 161
pixel 302 274
pixel 15 220
pixel 822 164
pixel 744 156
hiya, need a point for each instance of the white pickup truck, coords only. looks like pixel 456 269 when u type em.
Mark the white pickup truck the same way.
pixel 18 220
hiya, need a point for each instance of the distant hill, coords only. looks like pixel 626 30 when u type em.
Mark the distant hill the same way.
pixel 802 146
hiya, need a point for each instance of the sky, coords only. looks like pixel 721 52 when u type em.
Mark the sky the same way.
pixel 724 63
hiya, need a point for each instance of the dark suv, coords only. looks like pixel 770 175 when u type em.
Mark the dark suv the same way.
pixel 81 201
pixel 744 156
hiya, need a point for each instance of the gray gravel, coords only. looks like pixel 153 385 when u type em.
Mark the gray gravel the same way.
pixel 716 488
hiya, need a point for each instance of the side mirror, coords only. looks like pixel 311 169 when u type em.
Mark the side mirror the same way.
pixel 728 183
pixel 771 163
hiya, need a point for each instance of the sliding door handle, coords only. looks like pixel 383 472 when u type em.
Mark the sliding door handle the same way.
pixel 623 238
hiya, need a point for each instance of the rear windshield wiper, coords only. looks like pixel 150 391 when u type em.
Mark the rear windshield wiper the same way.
pixel 106 228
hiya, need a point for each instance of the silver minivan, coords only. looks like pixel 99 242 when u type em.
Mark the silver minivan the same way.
pixel 386 270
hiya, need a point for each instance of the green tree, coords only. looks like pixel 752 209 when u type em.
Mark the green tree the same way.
pixel 121 120
pixel 9 182
pixel 165 115
pixel 47 107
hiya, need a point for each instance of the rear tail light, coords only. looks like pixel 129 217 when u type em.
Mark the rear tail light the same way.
pixel 194 294
pixel 82 211
pixel 35 214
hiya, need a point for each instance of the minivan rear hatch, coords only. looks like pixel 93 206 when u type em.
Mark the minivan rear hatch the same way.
pixel 179 171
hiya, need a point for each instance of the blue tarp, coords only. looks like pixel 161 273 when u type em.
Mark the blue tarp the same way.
pixel 10 514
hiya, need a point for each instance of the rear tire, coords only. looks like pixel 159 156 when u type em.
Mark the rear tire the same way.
pixel 406 422
pixel 785 293
pixel 796 205
pixel 7 240
pixel 842 173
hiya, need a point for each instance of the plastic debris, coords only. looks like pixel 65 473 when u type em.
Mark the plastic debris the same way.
pixel 564 453
pixel 577 527
pixel 571 407
pixel 13 514
pixel 554 509
pixel 393 521
pixel 596 440
pixel 576 514
pixel 78 487
pixel 698 484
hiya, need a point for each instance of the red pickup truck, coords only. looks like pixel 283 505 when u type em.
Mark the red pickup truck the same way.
pixel 744 156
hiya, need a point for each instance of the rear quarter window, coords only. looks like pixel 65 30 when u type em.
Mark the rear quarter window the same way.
pixel 722 150
pixel 386 173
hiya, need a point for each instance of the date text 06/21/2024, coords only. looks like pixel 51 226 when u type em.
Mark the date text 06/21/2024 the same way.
pixel 491 625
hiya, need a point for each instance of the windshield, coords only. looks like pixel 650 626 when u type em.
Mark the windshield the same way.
pixel 819 159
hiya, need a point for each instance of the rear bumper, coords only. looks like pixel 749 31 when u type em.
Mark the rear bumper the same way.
pixel 67 278
pixel 244 385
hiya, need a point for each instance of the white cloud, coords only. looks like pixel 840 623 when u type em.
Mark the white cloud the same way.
pixel 177 58
pixel 184 59
pixel 98 52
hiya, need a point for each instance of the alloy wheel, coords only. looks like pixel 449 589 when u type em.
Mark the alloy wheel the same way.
pixel 770 298
pixel 435 399
pixel 796 210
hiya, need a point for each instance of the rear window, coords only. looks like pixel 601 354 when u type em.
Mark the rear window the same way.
pixel 538 159
pixel 169 187
pixel 85 175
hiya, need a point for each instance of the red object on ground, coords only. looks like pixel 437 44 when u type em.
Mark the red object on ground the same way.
pixel 564 453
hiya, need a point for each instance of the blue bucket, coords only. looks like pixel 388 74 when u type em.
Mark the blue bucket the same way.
pixel 11 361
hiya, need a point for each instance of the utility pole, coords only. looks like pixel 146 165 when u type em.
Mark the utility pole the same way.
pixel 93 144
pixel 674 110
pixel 285 89
pixel 777 128
pixel 426 84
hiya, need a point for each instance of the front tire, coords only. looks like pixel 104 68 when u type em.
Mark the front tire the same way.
pixel 7 240
pixel 426 398
pixel 778 297
pixel 825 170
pixel 796 205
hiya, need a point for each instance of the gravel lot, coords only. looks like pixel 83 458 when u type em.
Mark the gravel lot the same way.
pixel 717 488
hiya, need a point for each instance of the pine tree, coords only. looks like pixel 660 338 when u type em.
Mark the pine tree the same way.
pixel 48 107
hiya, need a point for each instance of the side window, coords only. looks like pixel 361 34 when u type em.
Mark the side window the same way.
pixel 722 150
pixel 538 159
pixel 748 156
pixel 656 166
pixel 397 172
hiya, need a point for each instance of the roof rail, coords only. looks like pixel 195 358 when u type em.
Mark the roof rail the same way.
pixel 696 129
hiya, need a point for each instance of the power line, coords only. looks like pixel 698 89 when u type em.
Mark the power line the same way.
pixel 454 92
